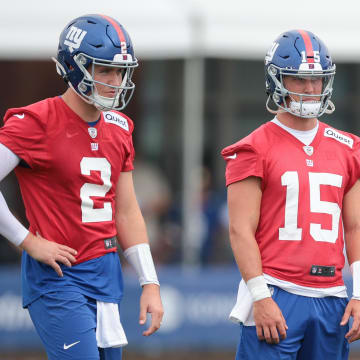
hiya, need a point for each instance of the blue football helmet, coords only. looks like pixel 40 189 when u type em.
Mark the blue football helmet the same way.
pixel 92 40
pixel 299 53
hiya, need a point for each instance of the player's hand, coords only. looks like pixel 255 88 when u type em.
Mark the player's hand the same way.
pixel 150 302
pixel 352 309
pixel 269 321
pixel 48 252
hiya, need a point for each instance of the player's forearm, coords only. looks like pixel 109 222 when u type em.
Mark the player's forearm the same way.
pixel 353 254
pixel 351 221
pixel 352 242
pixel 10 226
pixel 246 253
pixel 133 239
pixel 248 258
pixel 244 201
pixel 131 228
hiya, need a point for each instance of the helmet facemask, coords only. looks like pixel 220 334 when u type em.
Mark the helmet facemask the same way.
pixel 87 87
pixel 302 107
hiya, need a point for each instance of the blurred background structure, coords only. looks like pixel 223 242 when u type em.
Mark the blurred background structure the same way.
pixel 199 88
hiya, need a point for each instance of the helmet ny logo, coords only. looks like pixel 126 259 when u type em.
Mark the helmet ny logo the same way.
pixel 271 52
pixel 74 38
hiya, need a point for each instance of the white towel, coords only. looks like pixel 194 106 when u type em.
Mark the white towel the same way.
pixel 109 331
pixel 242 312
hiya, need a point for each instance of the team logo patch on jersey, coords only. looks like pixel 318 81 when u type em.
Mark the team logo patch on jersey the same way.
pixel 309 150
pixel 94 146
pixel 331 133
pixel 114 118
pixel 309 162
pixel 92 132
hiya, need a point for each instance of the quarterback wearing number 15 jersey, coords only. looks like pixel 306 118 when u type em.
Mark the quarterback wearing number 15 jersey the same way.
pixel 300 228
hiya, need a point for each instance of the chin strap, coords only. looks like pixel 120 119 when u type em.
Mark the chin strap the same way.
pixel 305 109
pixel 268 106
pixel 330 108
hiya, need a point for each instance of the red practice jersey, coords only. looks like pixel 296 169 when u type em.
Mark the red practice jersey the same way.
pixel 71 169
pixel 300 228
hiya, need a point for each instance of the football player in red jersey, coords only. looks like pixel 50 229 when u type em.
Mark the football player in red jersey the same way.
pixel 73 157
pixel 292 189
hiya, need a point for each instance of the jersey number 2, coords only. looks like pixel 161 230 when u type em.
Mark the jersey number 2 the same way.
pixel 89 213
pixel 290 231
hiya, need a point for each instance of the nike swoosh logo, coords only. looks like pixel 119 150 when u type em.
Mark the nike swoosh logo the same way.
pixel 70 345
pixel 71 135
pixel 20 116
pixel 232 156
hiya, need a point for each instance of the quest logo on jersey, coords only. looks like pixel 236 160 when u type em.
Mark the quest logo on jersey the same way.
pixel 331 133
pixel 114 118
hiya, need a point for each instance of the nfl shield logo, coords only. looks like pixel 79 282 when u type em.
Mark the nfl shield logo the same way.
pixel 92 132
pixel 309 150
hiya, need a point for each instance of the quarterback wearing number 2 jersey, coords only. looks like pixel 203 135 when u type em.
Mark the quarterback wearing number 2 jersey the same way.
pixel 81 179
pixel 68 180
pixel 303 187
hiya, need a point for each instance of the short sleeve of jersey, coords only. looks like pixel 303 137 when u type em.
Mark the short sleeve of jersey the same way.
pixel 242 161
pixel 128 164
pixel 354 165
pixel 24 134
pixel 129 156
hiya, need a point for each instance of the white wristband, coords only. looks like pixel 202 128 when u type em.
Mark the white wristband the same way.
pixel 258 288
pixel 139 256
pixel 355 270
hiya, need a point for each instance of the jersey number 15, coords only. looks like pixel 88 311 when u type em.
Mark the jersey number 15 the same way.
pixel 290 231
